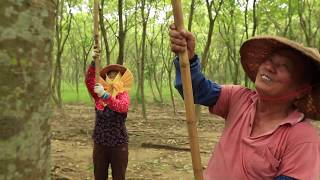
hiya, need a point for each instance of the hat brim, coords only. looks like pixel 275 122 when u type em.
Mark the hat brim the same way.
pixel 112 67
pixel 256 50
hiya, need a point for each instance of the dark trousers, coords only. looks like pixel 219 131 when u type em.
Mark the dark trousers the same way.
pixel 103 156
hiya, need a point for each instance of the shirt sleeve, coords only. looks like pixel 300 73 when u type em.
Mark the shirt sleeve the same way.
pixel 302 162
pixel 90 82
pixel 205 92
pixel 301 159
pixel 230 96
pixel 284 178
pixel 120 103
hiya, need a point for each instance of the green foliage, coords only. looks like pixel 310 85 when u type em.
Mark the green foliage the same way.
pixel 297 20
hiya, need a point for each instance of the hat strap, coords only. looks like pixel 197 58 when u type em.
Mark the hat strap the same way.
pixel 305 89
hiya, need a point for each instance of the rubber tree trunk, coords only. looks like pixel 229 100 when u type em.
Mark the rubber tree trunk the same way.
pixel 26 34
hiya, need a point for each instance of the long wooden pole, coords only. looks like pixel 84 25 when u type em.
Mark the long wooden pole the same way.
pixel 96 37
pixel 188 96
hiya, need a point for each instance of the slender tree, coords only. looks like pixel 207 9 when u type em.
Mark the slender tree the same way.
pixel 213 12
pixel 153 66
pixel 104 32
pixel 136 55
pixel 306 11
pixel 63 27
pixel 254 28
pixel 122 32
pixel 145 17
pixel 192 7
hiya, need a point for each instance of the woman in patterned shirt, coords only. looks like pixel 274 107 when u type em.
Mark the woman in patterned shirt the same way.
pixel 110 134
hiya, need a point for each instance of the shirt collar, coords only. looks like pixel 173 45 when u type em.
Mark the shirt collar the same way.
pixel 292 119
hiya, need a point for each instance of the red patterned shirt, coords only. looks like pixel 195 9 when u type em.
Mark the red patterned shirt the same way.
pixel 119 104
pixel 111 114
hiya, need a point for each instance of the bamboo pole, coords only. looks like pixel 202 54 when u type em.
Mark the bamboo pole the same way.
pixel 188 96
pixel 96 37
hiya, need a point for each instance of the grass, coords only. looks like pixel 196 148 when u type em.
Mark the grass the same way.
pixel 70 95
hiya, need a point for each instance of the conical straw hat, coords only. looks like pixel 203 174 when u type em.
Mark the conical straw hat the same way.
pixel 122 82
pixel 254 51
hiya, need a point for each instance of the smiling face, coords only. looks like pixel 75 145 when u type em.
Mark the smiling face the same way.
pixel 281 74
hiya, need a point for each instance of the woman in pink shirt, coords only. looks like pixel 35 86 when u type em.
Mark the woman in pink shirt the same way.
pixel 110 134
pixel 267 134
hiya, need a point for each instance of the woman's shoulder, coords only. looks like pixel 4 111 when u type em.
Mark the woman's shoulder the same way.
pixel 239 92
pixel 236 88
pixel 304 132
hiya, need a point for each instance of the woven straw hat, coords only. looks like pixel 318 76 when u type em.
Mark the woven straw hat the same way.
pixel 112 67
pixel 119 83
pixel 254 51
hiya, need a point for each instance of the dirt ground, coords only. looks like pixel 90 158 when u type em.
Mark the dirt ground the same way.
pixel 72 145
pixel 158 147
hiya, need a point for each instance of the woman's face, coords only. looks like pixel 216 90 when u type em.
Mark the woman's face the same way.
pixel 278 76
pixel 112 74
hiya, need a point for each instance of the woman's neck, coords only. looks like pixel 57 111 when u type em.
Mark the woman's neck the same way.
pixel 273 110
pixel 268 116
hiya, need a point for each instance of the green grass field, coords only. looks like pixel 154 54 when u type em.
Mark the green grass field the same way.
pixel 70 95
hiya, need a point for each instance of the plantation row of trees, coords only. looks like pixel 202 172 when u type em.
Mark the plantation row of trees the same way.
pixel 135 33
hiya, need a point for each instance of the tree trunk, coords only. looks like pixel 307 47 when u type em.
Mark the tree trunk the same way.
pixel 104 33
pixel 153 71
pixel 61 41
pixel 151 87
pixel 310 28
pixel 26 43
pixel 136 58
pixel 192 7
pixel 145 17
pixel 205 53
pixel 122 33
pixel 212 19
pixel 288 26
pixel 167 62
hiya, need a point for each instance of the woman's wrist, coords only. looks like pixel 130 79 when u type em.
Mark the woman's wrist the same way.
pixel 93 63
pixel 193 59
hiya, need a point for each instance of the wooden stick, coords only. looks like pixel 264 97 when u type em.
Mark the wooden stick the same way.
pixel 96 37
pixel 188 96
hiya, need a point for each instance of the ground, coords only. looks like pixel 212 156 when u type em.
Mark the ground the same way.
pixel 158 147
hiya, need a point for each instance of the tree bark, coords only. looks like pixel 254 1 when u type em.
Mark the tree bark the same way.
pixel 212 19
pixel 136 58
pixel 168 65
pixel 122 33
pixel 60 41
pixel 306 11
pixel 26 36
pixel 145 17
pixel 104 33
pixel 153 68
pixel 192 7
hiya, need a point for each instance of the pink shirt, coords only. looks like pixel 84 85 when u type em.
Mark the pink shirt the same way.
pixel 120 103
pixel 292 149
